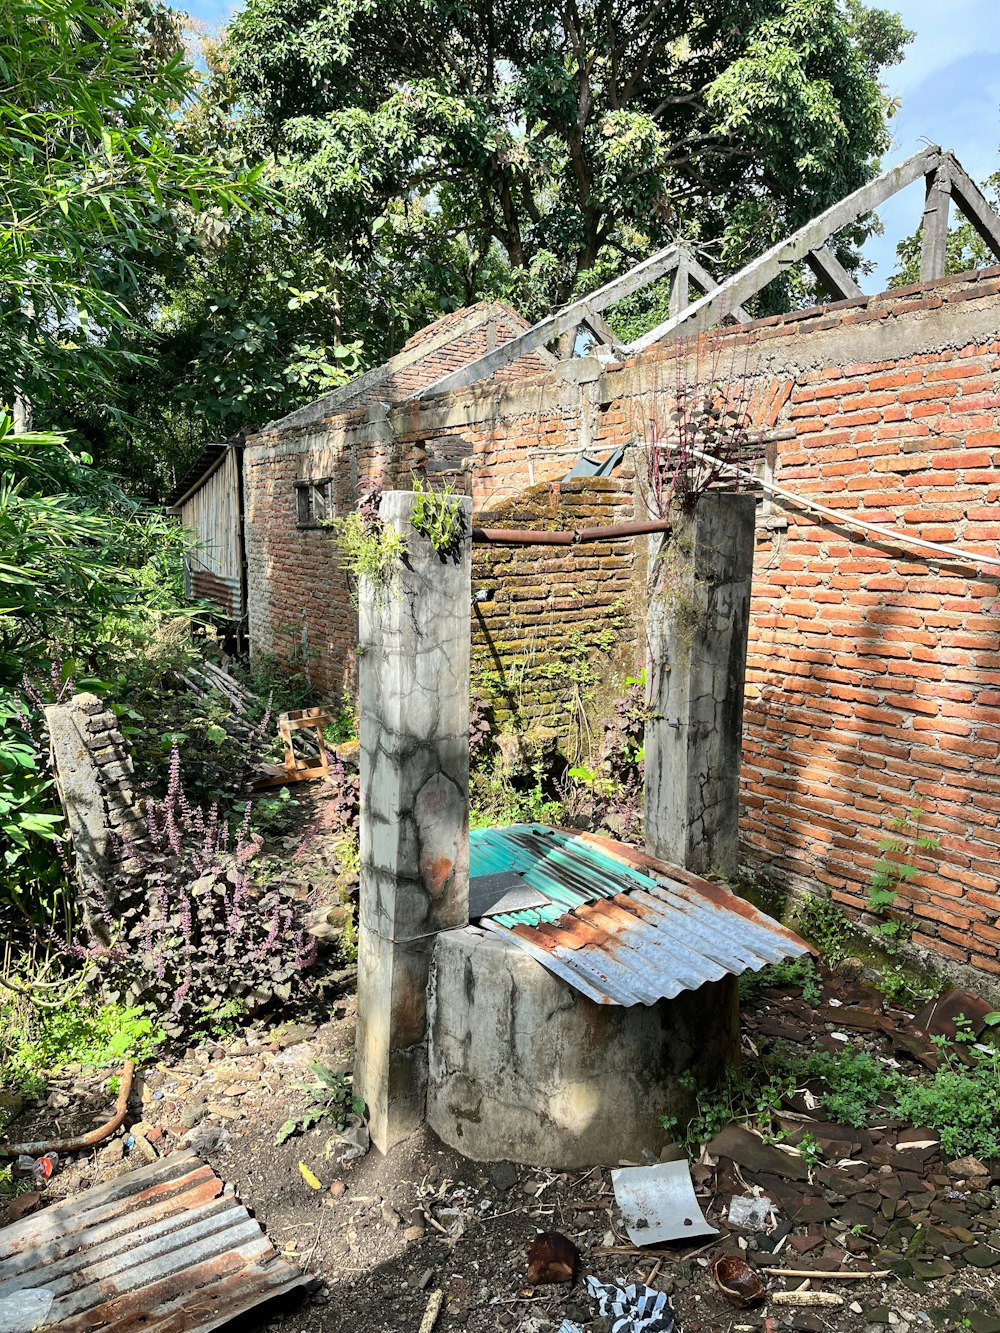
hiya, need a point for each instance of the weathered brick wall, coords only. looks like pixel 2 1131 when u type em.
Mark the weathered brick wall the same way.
pixel 874 673
pixel 556 630
pixel 299 596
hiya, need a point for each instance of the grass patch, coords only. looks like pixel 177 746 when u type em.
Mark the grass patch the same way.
pixel 37 1041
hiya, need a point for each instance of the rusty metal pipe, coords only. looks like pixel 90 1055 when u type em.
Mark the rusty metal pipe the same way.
pixel 523 537
pixel 518 537
pixel 622 530
pixel 83 1141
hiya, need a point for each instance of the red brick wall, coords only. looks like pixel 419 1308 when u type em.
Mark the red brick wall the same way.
pixel 874 673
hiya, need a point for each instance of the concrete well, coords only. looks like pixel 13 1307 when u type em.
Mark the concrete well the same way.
pixel 524 1068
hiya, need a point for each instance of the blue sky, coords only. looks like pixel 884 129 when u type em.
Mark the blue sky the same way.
pixel 949 87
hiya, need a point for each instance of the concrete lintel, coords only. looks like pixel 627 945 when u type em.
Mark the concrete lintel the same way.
pixel 912 332
pixel 581 370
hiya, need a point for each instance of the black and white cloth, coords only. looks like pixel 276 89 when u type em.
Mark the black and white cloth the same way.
pixel 634 1309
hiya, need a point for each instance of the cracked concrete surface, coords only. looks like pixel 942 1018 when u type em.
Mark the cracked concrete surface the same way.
pixel 414 738
pixel 526 1069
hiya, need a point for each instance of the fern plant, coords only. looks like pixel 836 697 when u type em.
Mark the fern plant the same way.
pixel 897 852
pixel 438 516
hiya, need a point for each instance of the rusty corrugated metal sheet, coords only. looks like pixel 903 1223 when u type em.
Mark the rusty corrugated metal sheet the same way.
pixel 161 1249
pixel 205 586
pixel 622 927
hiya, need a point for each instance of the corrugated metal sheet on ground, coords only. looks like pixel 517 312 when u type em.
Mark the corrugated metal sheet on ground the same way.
pixel 160 1249
pixel 620 926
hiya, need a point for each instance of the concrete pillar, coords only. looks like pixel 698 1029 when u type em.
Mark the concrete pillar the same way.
pixel 414 734
pixel 697 644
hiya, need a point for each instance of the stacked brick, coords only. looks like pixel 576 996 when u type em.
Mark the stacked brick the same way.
pixel 555 631
pixel 111 756
pixel 92 763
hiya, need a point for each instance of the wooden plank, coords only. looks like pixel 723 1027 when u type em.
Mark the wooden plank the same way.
pixel 705 283
pixel 554 326
pixel 934 239
pixel 702 314
pixel 836 280
pixel 975 205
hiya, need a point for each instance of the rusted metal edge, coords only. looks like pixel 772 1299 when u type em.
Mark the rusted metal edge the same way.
pixel 716 893
pixel 163 1247
pixel 632 929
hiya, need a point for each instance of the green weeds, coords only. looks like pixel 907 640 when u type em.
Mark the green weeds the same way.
pixel 370 550
pixel 497 800
pixel 438 516
pixel 93 1035
pixel 959 1101
pixel 824 924
pixel 800 973
pixel 331 1098
pixel 894 867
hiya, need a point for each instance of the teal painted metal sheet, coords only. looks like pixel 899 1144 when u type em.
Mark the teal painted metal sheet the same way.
pixel 621 927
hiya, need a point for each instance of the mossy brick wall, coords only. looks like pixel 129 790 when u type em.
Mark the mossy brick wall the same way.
pixel 556 632
pixel 873 673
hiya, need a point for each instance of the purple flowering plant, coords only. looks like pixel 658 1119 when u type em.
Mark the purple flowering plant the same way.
pixel 196 928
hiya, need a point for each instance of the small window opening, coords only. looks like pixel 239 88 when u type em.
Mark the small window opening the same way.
pixel 314 502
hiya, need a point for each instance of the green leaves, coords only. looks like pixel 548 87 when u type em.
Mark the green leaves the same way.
pixel 545 154
pixel 286 1131
pixel 895 866
pixel 330 1098
pixel 93 185
pixel 68 557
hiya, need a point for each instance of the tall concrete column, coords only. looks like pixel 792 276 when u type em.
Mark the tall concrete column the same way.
pixel 414 735
pixel 697 645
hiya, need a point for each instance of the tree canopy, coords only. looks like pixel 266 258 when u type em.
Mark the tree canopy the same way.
pixel 95 194
pixel 573 135
pixel 422 155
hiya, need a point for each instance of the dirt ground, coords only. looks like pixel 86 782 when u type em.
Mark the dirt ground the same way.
pixel 393 1230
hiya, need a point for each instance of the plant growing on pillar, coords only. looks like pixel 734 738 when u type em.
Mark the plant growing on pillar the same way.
pixel 370 550
pixel 438 516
